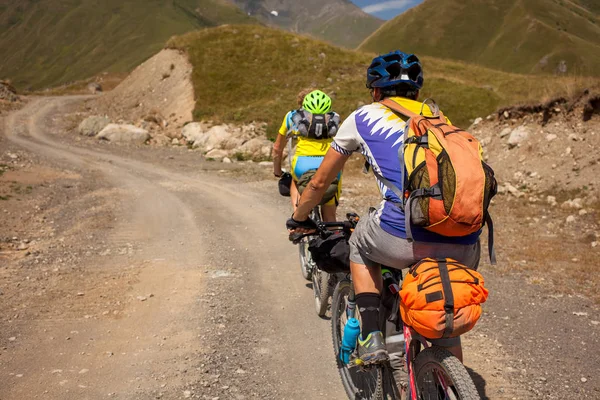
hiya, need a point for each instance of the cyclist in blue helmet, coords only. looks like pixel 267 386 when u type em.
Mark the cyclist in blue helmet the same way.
pixel 380 237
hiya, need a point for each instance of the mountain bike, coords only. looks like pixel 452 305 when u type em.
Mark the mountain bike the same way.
pixel 322 282
pixel 416 369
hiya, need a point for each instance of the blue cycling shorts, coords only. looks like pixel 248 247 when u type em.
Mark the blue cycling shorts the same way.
pixel 303 164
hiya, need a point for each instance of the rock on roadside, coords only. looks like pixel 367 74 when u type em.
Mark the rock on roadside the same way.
pixel 216 154
pixel 91 126
pixel 256 148
pixel 221 141
pixel 124 134
pixel 517 136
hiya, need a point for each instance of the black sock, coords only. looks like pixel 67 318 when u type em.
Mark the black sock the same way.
pixel 368 306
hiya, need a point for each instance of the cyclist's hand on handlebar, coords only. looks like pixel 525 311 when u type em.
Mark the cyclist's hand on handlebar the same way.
pixel 306 226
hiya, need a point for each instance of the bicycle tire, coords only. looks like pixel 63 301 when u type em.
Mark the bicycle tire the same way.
pixel 305 268
pixel 359 383
pixel 305 257
pixel 322 291
pixel 437 358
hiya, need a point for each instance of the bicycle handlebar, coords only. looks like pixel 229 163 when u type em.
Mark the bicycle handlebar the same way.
pixel 322 228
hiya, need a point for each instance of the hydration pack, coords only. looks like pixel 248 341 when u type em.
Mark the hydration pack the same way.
pixel 447 185
pixel 316 126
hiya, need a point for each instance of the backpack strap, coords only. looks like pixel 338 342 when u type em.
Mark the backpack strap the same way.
pixel 392 105
pixel 404 207
pixel 390 186
pixel 490 226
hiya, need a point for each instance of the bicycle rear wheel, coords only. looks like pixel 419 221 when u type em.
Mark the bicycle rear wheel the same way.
pixel 375 382
pixel 440 375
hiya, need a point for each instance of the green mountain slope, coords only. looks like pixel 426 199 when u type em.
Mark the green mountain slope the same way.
pixel 337 21
pixel 261 82
pixel 524 36
pixel 44 43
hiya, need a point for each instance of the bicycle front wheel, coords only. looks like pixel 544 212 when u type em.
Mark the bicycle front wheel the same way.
pixel 359 383
pixel 321 290
pixel 440 375
pixel 305 259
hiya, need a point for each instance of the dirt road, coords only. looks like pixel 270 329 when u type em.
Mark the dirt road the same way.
pixel 222 312
pixel 180 283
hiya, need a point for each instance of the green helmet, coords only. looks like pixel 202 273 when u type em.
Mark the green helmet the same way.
pixel 317 102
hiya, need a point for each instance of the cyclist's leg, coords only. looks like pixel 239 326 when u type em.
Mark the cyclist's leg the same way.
pixel 294 195
pixel 329 209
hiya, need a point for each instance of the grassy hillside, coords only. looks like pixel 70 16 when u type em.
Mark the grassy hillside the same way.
pixel 261 82
pixel 337 21
pixel 523 36
pixel 51 42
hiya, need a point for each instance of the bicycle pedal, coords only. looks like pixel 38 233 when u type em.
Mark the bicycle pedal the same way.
pixel 355 363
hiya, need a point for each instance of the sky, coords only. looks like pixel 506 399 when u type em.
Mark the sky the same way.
pixel 386 9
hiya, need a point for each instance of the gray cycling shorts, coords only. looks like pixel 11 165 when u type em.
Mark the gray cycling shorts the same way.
pixel 372 246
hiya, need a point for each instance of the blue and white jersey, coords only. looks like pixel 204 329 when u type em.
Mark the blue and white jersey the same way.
pixel 378 134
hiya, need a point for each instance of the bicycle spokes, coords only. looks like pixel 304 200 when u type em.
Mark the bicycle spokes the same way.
pixel 437 386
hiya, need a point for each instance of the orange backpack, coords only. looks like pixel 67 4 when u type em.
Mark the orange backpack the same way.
pixel 442 298
pixel 447 185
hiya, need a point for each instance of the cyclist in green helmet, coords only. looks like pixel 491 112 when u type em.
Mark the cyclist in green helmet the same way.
pixel 313 126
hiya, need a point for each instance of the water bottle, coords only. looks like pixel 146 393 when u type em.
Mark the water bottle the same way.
pixel 351 332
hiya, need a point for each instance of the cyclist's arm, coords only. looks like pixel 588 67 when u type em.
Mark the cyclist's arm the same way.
pixel 278 147
pixel 280 143
pixel 331 166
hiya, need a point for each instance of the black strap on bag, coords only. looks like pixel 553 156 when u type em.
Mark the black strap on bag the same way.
pixel 448 297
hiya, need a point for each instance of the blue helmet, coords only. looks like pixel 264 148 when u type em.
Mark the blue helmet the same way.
pixel 393 69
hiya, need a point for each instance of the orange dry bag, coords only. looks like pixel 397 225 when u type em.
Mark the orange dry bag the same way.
pixel 442 298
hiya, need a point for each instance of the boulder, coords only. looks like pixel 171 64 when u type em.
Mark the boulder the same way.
pixel 513 190
pixel 173 134
pixel 94 88
pixel 572 204
pixel 214 138
pixel 216 154
pixel 232 142
pixel 91 126
pixel 124 134
pixel 192 132
pixel 517 136
pixel 256 148
pixel 505 132
pixel 160 140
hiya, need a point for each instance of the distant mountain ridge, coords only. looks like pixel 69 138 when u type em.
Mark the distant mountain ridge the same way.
pixel 337 21
pixel 524 36
pixel 50 42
